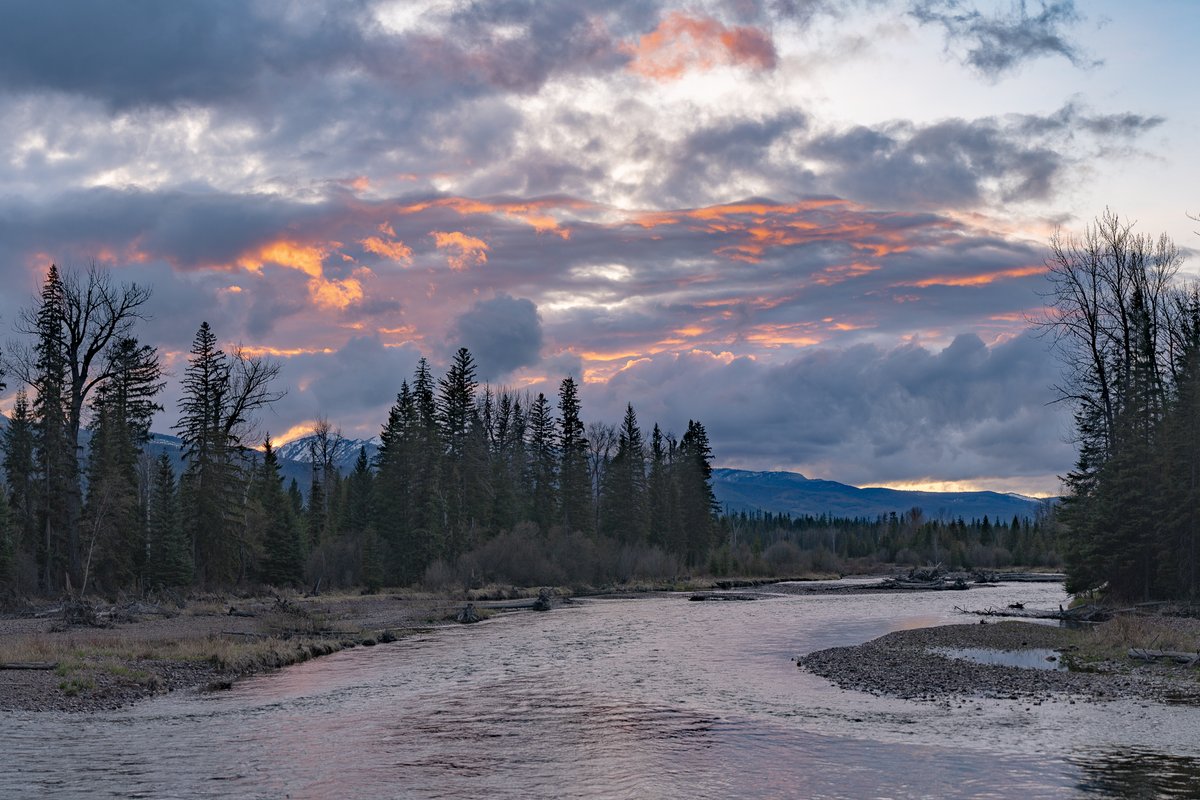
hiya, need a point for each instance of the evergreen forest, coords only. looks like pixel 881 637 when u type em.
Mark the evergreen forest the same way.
pixel 468 486
pixel 1128 333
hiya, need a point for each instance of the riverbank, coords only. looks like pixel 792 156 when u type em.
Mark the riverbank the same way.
pixel 142 649
pixel 1076 664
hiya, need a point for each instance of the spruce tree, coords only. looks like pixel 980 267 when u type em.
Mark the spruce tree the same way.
pixel 698 505
pixel 209 477
pixel 624 514
pixel 281 562
pixel 542 465
pixel 8 549
pixel 55 464
pixel 574 482
pixel 169 560
pixel 18 448
pixel 122 409
pixel 658 489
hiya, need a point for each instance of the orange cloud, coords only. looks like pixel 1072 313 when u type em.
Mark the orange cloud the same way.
pixel 780 335
pixel 843 272
pixel 682 43
pixel 286 253
pixel 335 294
pixel 756 227
pixel 258 351
pixel 980 279
pixel 531 212
pixel 467 251
pixel 395 250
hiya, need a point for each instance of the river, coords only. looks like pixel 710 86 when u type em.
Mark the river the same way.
pixel 641 698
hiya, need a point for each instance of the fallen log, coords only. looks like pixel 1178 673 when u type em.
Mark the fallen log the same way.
pixel 721 596
pixel 1190 659
pixel 1080 614
pixel 41 665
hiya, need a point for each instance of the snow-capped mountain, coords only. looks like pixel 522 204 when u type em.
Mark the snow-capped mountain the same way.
pixel 345 451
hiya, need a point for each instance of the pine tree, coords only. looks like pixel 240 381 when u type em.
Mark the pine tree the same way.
pixel 55 464
pixel 542 464
pixel 169 558
pixel 698 505
pixel 575 486
pixel 624 486
pixel 281 563
pixel 430 506
pixel 463 448
pixel 658 490
pixel 8 550
pixel 114 519
pixel 18 447
pixel 220 393
pixel 1178 540
pixel 210 474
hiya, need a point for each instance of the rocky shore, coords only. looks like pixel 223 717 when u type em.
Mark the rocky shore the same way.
pixel 928 664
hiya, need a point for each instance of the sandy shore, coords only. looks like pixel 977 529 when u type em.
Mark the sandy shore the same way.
pixel 923 664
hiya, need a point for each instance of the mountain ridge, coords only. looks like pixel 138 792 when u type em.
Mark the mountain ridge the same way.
pixel 794 493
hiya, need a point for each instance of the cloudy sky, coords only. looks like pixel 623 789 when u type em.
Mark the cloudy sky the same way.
pixel 818 226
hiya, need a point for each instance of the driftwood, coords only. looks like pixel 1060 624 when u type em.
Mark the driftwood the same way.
pixel 985 576
pixel 1079 614
pixel 41 665
pixel 1190 659
pixel 926 586
pixel 722 596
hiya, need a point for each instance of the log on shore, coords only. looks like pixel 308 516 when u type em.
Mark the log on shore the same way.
pixel 1080 614
pixel 925 586
pixel 721 596
pixel 41 665
pixel 1190 659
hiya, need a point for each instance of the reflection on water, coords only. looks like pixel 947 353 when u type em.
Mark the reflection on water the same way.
pixel 1032 658
pixel 645 698
pixel 1137 773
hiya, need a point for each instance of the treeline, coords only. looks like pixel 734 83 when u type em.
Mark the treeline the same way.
pixel 467 485
pixel 780 544
pixel 1129 335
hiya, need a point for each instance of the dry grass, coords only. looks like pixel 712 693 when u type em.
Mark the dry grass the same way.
pixel 1113 639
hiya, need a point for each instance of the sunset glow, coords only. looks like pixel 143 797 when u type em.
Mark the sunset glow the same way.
pixel 821 228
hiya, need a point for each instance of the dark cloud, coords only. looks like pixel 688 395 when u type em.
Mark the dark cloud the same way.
pixel 503 333
pixel 1000 42
pixel 862 413
pixel 965 163
pixel 131 53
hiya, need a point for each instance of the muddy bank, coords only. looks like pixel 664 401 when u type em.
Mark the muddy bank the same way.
pixel 917 665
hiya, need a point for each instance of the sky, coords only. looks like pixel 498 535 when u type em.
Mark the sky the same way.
pixel 817 226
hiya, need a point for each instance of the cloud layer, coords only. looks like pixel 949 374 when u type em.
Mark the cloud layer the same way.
pixel 640 194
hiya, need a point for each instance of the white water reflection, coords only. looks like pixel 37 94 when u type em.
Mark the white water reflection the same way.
pixel 654 697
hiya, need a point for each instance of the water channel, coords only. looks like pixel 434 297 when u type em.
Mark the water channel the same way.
pixel 641 698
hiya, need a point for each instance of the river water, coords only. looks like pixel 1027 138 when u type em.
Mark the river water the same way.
pixel 640 698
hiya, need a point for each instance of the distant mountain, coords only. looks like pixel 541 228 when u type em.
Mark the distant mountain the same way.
pixel 793 493
pixel 345 451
